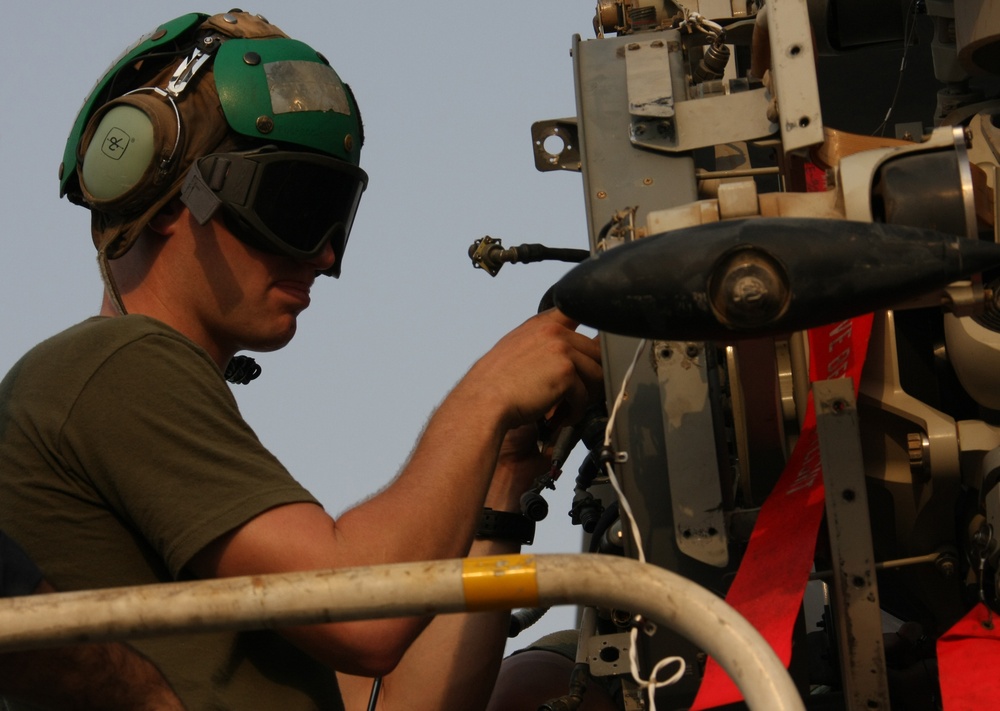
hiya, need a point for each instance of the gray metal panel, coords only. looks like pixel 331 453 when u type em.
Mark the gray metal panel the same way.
pixel 855 591
pixel 686 389
pixel 617 176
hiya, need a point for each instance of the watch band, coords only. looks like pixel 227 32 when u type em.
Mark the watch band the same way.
pixel 506 526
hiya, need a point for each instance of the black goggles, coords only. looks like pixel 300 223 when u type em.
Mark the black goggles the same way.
pixel 284 202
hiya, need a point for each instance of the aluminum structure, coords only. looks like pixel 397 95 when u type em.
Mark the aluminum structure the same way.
pixel 743 164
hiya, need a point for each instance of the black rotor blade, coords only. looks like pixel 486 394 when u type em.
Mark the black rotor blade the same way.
pixel 763 276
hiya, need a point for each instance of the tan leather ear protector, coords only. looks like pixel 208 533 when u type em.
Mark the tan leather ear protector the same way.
pixel 129 150
pixel 166 132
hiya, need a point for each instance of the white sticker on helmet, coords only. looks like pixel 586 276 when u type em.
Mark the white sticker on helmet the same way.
pixel 305 86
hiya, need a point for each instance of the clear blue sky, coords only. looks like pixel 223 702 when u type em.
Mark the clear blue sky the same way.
pixel 448 92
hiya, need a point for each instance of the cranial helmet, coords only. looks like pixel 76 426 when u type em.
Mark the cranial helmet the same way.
pixel 230 114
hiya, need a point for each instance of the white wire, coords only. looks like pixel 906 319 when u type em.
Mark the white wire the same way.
pixel 651 684
pixel 620 398
pixel 696 21
pixel 623 505
pixel 909 26
pixel 622 501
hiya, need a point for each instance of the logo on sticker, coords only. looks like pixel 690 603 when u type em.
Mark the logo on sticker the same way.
pixel 115 144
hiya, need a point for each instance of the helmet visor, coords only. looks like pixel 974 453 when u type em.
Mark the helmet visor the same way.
pixel 286 202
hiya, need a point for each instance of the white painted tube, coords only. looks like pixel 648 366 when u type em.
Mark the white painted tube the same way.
pixel 405 589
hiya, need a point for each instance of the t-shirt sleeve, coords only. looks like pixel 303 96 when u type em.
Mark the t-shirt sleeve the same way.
pixel 158 434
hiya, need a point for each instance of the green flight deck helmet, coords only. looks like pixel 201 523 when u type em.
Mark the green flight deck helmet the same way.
pixel 234 117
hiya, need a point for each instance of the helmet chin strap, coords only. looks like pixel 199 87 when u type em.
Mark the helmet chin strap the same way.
pixel 110 285
pixel 240 370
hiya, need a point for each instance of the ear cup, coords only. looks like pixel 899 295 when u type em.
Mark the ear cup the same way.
pixel 119 154
pixel 127 151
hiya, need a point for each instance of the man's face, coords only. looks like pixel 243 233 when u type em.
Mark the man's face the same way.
pixel 244 298
pixel 282 201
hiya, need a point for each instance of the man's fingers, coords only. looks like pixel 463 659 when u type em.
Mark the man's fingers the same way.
pixel 558 316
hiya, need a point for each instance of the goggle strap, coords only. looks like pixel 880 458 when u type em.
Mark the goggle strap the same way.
pixel 201 201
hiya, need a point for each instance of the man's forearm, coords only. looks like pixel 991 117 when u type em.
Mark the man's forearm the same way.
pixel 453 664
pixel 455 661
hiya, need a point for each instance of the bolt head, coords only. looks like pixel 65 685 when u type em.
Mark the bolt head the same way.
pixel 265 124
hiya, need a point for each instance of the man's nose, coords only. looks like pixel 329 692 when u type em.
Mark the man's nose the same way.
pixel 325 258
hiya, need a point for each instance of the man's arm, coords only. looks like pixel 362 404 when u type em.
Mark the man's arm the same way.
pixel 86 677
pixel 430 511
pixel 454 662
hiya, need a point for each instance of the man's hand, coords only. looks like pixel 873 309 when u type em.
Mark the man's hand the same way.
pixel 552 339
pixel 542 369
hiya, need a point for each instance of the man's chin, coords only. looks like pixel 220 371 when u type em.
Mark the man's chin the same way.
pixel 267 343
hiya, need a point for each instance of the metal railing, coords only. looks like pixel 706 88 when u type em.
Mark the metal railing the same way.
pixel 399 590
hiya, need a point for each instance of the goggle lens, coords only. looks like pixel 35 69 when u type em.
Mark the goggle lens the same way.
pixel 301 203
pixel 286 202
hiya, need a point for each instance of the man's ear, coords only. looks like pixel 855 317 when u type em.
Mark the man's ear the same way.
pixel 164 221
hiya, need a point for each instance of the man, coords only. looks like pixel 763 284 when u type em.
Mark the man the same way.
pixel 219 160
pixel 89 677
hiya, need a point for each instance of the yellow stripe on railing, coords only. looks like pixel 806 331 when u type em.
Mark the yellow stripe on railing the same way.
pixel 499 582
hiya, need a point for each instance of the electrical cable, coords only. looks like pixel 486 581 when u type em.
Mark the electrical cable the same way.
pixel 908 28
pixel 696 21
pixel 622 501
pixel 608 517
pixel 651 684
pixel 523 618
pixel 376 688
pixel 242 369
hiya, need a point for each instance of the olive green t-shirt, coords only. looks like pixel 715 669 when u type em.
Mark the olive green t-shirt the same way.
pixel 123 454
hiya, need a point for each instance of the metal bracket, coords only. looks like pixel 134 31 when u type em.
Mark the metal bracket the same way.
pixel 546 136
pixel 664 118
pixel 859 622
pixel 682 370
pixel 793 74
pixel 186 71
pixel 608 654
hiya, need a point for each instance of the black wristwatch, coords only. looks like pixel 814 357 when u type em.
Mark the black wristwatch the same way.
pixel 506 526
